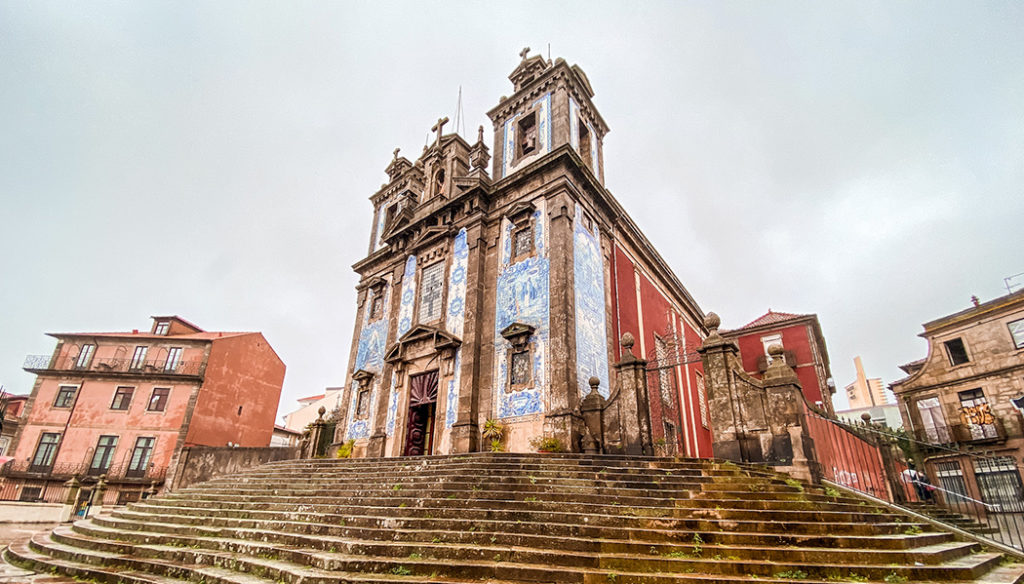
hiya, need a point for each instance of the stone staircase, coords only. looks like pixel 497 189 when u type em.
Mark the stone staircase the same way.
pixel 506 518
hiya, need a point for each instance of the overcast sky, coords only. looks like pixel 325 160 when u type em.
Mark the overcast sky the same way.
pixel 863 161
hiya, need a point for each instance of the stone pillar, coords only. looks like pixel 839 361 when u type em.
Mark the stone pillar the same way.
pixel 592 408
pixel 790 444
pixel 465 432
pixel 67 512
pixel 634 409
pixel 564 392
pixel 98 493
pixel 727 427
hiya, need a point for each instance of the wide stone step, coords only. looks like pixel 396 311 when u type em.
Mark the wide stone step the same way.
pixel 287 565
pixel 514 532
pixel 512 518
pixel 547 549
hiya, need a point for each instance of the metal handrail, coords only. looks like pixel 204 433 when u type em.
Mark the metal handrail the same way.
pixel 112 365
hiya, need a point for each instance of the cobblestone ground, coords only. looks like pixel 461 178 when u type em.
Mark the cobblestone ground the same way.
pixel 12 575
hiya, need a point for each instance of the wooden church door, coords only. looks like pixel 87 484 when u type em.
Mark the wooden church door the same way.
pixel 422 401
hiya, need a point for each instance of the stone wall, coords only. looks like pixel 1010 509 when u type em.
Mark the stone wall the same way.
pixel 202 463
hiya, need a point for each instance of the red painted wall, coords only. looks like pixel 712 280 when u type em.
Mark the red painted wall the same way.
pixel 682 411
pixel 244 372
pixel 794 338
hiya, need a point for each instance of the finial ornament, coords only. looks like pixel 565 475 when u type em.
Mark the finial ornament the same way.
pixel 396 153
pixel 524 52
pixel 627 341
pixel 480 134
pixel 594 383
pixel 712 321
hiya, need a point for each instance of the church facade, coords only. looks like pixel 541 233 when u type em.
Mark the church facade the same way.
pixel 497 288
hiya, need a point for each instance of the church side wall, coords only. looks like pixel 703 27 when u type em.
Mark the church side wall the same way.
pixel 675 396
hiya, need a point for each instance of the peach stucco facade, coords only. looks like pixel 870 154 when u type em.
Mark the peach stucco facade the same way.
pixel 125 404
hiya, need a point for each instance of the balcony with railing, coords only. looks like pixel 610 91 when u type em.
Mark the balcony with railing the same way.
pixel 120 473
pixel 117 366
pixel 966 434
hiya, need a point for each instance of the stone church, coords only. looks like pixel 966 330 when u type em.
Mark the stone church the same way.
pixel 499 287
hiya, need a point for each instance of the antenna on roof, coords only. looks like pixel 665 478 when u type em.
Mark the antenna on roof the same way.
pixel 1010 287
pixel 549 52
pixel 458 114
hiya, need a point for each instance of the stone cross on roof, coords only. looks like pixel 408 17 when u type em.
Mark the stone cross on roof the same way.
pixel 524 52
pixel 439 127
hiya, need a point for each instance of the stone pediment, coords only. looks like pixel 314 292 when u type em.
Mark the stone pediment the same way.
pixel 420 339
pixel 518 334
pixel 362 377
pixel 430 234
pixel 521 211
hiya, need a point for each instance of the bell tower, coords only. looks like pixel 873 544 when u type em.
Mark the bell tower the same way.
pixel 551 107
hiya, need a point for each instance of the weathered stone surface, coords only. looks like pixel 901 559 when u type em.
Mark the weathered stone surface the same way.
pixel 506 518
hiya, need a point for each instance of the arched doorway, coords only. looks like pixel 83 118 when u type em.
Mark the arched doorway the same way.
pixel 419 435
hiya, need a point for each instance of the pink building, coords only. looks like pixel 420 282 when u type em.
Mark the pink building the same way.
pixel 124 404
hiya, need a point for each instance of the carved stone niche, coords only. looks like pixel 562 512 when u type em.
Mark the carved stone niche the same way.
pixel 518 334
pixel 363 378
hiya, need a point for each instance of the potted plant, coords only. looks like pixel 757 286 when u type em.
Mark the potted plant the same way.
pixel 494 431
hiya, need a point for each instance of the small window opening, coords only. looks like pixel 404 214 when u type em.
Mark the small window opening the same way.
pixel 585 148
pixel 363 403
pixel 527 135
pixel 520 369
pixel 439 182
pixel 161 328
pixel 956 352
pixel 239 410
pixel 376 307
pixel 522 244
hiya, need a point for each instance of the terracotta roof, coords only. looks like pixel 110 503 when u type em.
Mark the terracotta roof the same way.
pixel 279 428
pixel 311 398
pixel 141 335
pixel 771 317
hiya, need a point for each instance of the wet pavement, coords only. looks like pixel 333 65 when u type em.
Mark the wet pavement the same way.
pixel 13 575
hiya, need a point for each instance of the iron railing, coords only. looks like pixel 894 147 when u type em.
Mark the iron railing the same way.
pixel 979 494
pixel 64 471
pixel 39 363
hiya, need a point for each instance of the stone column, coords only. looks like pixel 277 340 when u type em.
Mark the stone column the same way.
pixel 563 389
pixel 67 512
pixel 790 443
pixel 727 431
pixel 635 412
pixel 465 432
pixel 98 493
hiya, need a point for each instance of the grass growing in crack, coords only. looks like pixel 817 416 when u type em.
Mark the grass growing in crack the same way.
pixel 792 575
pixel 830 492
pixel 401 571
pixel 913 530
pixel 415 556
pixel 795 484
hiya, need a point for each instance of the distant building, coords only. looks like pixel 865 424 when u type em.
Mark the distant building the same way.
pixel 310 406
pixel 801 338
pixel 124 404
pixel 865 392
pixel 14 407
pixel 283 437
pixel 869 396
pixel 961 394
